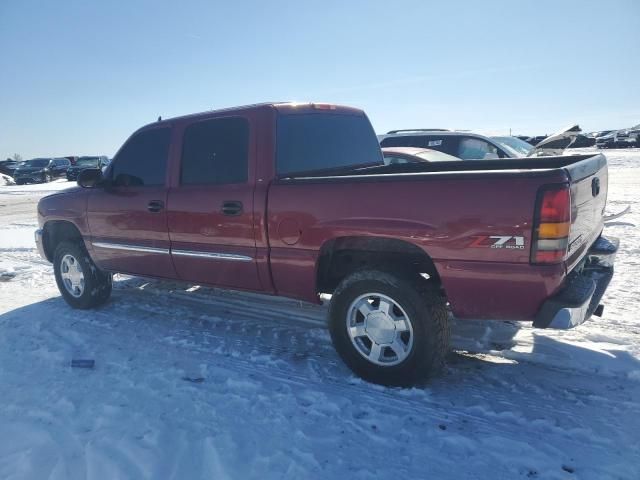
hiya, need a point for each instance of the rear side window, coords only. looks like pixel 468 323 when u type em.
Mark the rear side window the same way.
pixel 308 142
pixel 447 144
pixel 143 159
pixel 215 152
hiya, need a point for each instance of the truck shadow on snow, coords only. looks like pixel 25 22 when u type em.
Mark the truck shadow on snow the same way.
pixel 291 336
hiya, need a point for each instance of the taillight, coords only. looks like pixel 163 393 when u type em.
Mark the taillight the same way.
pixel 552 223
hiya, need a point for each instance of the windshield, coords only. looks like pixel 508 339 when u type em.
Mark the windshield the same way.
pixel 87 161
pixel 514 145
pixel 36 162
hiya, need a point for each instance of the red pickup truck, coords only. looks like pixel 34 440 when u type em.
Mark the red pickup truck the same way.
pixel 295 200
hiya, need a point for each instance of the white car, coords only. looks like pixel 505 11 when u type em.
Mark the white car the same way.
pixel 472 146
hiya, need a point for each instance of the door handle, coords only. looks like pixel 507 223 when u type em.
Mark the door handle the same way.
pixel 155 206
pixel 231 207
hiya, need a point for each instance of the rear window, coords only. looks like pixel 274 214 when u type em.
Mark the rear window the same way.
pixel 308 142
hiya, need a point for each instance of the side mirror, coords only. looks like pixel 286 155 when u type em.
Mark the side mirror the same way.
pixel 90 177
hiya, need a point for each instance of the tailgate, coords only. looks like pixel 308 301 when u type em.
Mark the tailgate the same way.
pixel 589 182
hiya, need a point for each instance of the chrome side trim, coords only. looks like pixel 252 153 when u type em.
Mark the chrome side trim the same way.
pixel 216 256
pixel 183 253
pixel 130 248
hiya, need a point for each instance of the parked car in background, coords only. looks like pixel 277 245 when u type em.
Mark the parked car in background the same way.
pixel 472 146
pixel 8 166
pixel 40 170
pixel 624 138
pixel 599 134
pixel 72 159
pixel 461 145
pixel 295 200
pixel 86 162
pixel 582 141
pixel 536 140
pixel 395 155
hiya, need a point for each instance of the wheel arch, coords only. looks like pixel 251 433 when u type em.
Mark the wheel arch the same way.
pixel 56 231
pixel 341 256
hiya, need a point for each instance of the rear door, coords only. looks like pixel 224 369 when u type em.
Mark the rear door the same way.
pixel 211 206
pixel 127 218
pixel 589 184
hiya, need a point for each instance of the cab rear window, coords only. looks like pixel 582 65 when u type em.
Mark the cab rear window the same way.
pixel 318 141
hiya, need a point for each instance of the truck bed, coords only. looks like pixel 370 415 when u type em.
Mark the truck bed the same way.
pixel 442 208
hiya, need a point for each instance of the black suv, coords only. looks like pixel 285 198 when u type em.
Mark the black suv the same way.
pixel 40 170
pixel 86 162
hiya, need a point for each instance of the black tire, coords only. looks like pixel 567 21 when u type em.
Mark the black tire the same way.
pixel 46 177
pixel 426 310
pixel 19 182
pixel 97 284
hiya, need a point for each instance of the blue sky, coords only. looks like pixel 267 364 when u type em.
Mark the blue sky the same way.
pixel 78 77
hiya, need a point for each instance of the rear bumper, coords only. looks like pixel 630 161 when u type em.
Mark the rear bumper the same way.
pixel 580 298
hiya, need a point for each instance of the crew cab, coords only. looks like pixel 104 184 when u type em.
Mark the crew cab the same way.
pixel 296 200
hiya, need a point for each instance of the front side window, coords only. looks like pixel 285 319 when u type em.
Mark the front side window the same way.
pixel 319 141
pixel 215 152
pixel 142 161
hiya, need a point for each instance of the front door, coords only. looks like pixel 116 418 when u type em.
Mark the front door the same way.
pixel 127 217
pixel 211 209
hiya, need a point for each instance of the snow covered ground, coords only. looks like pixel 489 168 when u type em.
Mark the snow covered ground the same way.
pixel 198 383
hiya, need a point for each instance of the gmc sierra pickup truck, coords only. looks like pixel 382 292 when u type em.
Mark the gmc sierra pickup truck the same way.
pixel 295 200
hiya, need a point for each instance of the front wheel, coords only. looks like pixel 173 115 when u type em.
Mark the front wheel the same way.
pixel 388 328
pixel 79 280
pixel 46 178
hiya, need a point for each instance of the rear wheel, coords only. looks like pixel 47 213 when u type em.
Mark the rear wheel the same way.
pixel 79 280
pixel 388 328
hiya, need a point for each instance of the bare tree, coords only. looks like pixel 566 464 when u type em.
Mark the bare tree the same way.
pixel 17 157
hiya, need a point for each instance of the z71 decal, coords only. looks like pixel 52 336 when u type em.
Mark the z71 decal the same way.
pixel 498 241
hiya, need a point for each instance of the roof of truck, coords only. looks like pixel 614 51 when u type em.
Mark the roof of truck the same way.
pixel 281 107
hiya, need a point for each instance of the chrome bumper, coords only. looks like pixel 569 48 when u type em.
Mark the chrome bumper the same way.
pixel 583 290
pixel 39 244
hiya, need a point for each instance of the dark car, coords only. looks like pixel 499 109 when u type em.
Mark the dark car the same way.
pixel 40 170
pixel 582 141
pixel 625 138
pixel 8 167
pixel 536 140
pixel 85 162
